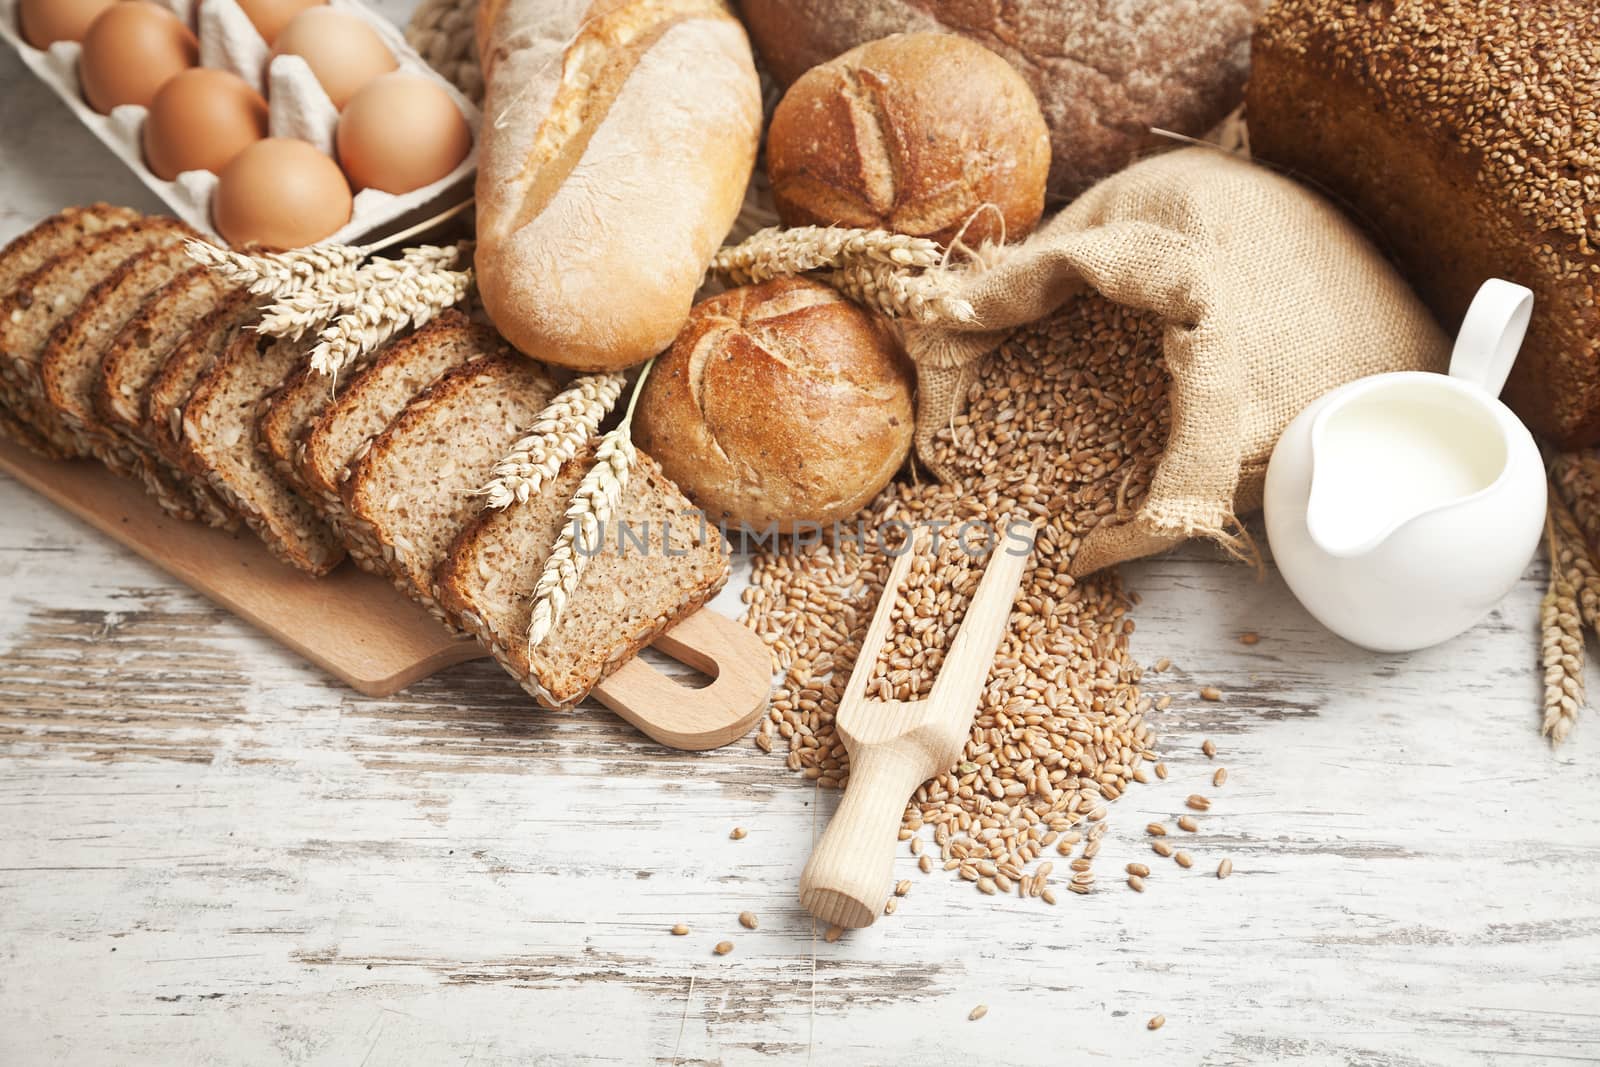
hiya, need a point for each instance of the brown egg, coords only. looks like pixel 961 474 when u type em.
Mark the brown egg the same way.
pixel 342 50
pixel 44 22
pixel 282 193
pixel 269 17
pixel 130 51
pixel 401 132
pixel 200 120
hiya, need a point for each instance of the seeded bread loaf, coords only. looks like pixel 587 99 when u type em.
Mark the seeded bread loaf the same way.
pixel 627 595
pixel 626 134
pixel 372 400
pixel 70 366
pixel 49 295
pixel 55 235
pixel 411 491
pixel 1464 134
pixel 220 446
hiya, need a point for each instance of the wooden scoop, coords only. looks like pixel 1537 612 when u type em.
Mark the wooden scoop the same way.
pixel 897 745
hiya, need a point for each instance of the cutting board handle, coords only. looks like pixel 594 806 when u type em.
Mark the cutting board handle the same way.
pixel 696 719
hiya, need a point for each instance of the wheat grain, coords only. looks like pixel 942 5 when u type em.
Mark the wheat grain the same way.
pixel 275 275
pixel 899 295
pixel 566 423
pixel 1571 556
pixel 413 298
pixel 1156 1023
pixel 747 919
pixel 1561 650
pixel 312 307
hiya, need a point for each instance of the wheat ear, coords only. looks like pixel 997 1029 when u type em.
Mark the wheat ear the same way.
pixel 776 252
pixel 1574 476
pixel 1572 556
pixel 412 298
pixel 569 420
pixel 921 298
pixel 310 309
pixel 275 275
pixel 583 530
pixel 1561 648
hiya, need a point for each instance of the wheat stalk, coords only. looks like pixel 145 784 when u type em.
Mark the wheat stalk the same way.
pixel 921 298
pixel 569 420
pixel 275 275
pixel 776 252
pixel 412 298
pixel 310 309
pixel 1572 552
pixel 1561 648
pixel 583 530
pixel 1574 476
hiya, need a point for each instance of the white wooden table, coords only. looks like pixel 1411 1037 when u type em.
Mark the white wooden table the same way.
pixel 211 853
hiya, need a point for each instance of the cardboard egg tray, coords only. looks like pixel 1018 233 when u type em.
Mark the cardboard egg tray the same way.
pixel 297 107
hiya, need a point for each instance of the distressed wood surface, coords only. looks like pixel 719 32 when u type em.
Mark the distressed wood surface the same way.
pixel 210 852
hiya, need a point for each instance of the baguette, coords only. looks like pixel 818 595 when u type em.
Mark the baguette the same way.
pixel 622 137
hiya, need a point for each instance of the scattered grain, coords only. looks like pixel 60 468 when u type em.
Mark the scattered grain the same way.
pixel 1139 869
pixel 1161 771
pixel 1188 823
pixel 1048 896
pixel 1156 1023
pixel 747 919
pixel 1162 664
pixel 737 833
pixel 723 948
pixel 1224 868
pixel 1160 847
pixel 977 1013
pixel 1221 777
pixel 1136 883
pixel 902 887
pixel 1209 747
pixel 1198 802
pixel 890 905
pixel 680 930
pixel 1156 829
pixel 1210 692
pixel 1249 637
pixel 925 864
pixel 832 934
pixel 1183 859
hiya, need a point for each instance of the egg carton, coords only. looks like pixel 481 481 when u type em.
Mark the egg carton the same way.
pixel 297 107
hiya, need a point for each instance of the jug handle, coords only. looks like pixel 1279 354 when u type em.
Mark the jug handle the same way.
pixel 1491 333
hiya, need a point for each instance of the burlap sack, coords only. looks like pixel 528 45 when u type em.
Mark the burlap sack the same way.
pixel 1269 298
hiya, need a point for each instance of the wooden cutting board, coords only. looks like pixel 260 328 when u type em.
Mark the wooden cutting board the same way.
pixel 360 629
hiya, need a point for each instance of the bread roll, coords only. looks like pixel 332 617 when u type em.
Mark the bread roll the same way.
pixel 1104 73
pixel 617 141
pixel 914 133
pixel 779 404
pixel 1464 135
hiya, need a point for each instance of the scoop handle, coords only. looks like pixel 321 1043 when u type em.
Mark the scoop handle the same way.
pixel 846 880
pixel 1491 334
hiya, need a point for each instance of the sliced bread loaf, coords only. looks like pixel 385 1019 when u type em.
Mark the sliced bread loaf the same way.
pixel 69 366
pixel 367 406
pixel 45 297
pixel 666 564
pixel 220 445
pixel 287 414
pixel 410 489
pixel 55 235
pixel 193 355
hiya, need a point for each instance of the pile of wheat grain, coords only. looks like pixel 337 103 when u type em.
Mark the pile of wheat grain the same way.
pixel 1064 426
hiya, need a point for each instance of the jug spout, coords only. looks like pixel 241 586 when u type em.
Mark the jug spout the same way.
pixel 1338 533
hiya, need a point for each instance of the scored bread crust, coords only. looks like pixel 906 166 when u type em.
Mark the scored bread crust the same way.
pixel 630 131
pixel 415 480
pixel 487 579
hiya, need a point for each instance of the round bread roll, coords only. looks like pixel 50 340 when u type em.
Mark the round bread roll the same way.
pixel 912 133
pixel 779 404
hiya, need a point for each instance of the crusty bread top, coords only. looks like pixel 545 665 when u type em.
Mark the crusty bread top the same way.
pixel 29 251
pixel 599 205
pixel 414 485
pixel 377 394
pixel 142 346
pixel 626 595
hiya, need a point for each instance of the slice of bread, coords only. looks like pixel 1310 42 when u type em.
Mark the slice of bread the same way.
pixel 199 348
pixel 69 366
pixel 287 414
pixel 667 564
pixel 55 235
pixel 45 297
pixel 367 406
pixel 410 490
pixel 220 445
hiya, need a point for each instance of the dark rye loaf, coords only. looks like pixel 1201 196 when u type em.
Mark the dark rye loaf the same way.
pixel 47 296
pixel 411 490
pixel 367 406
pixel 69 367
pixel 626 596
pixel 219 439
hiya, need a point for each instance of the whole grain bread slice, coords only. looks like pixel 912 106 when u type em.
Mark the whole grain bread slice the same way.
pixel 288 414
pixel 658 563
pixel 220 445
pixel 55 235
pixel 168 392
pixel 372 400
pixel 69 366
pixel 45 297
pixel 410 491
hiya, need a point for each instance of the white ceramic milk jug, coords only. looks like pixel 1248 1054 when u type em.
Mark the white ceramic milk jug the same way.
pixel 1402 507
